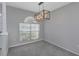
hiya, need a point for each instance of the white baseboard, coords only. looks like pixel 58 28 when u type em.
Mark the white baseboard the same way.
pixel 63 48
pixel 24 43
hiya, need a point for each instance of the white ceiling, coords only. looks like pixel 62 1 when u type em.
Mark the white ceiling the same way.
pixel 33 6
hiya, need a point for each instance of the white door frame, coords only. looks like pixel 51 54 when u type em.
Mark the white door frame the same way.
pixel 4 34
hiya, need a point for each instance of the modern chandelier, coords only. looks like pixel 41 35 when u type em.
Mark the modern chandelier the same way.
pixel 43 14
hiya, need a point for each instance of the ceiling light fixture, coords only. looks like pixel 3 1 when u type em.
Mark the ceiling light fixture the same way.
pixel 43 14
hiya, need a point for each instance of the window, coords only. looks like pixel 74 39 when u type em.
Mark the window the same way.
pixel 34 31
pixel 29 31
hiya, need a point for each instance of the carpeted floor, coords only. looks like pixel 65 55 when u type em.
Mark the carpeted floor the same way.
pixel 40 48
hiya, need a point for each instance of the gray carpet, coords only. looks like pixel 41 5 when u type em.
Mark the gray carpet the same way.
pixel 40 48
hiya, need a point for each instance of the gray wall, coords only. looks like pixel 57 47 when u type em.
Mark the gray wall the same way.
pixel 0 18
pixel 63 28
pixel 14 17
pixel 0 24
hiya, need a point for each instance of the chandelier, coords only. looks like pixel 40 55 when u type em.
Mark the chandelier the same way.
pixel 42 15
